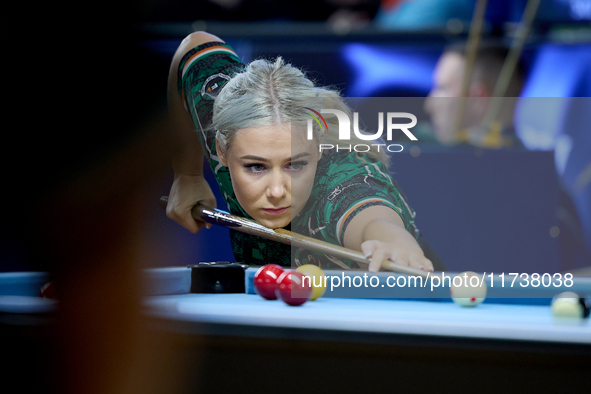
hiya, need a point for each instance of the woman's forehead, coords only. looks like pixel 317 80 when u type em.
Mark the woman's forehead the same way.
pixel 281 138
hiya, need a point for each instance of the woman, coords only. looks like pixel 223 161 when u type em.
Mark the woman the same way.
pixel 249 123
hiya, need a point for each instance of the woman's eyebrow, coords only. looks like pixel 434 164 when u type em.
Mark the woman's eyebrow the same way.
pixel 258 158
pixel 299 155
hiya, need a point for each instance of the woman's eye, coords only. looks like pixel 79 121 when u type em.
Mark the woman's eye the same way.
pixel 255 168
pixel 298 165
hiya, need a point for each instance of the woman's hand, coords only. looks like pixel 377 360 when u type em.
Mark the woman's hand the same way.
pixel 402 251
pixel 186 192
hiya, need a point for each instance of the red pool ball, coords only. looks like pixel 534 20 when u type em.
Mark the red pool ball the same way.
pixel 265 280
pixel 291 288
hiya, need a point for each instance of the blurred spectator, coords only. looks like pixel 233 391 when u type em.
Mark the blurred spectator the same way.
pixel 553 115
pixel 351 14
pixel 445 111
pixel 352 11
pixel 423 14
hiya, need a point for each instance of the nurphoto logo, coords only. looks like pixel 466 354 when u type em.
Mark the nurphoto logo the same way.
pixel 392 125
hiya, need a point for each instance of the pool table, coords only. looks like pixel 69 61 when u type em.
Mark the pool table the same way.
pixel 418 342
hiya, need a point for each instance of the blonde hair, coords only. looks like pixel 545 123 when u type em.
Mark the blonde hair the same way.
pixel 270 93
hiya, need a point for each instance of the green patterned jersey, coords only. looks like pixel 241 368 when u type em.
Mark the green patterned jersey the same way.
pixel 344 185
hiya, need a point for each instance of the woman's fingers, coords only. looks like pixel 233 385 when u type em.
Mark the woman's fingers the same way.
pixel 368 247
pixel 186 192
pixel 402 259
pixel 182 215
pixel 421 262
pixel 379 255
pixel 377 252
pixel 417 262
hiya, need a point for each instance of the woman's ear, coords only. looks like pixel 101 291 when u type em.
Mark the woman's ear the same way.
pixel 221 153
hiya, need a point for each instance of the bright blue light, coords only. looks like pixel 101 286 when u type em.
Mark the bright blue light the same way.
pixel 379 67
pixel 559 72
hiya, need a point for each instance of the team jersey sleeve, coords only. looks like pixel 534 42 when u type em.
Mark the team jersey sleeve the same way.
pixel 203 72
pixel 355 183
pixel 345 185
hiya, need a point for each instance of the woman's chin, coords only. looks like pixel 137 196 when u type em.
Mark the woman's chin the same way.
pixel 275 222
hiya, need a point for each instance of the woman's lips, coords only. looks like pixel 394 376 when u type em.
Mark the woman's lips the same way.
pixel 273 211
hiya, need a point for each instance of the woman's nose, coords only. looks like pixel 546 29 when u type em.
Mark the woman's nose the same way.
pixel 278 184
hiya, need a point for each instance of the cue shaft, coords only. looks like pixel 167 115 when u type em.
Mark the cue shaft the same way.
pixel 471 50
pixel 248 226
pixel 504 78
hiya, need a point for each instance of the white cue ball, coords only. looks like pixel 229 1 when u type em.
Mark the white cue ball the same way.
pixel 468 291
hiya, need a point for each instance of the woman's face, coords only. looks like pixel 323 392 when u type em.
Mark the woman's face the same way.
pixel 272 172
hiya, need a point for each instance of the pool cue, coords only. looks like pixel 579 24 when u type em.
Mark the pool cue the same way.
pixel 248 226
pixel 471 50
pixel 510 63
pixel 472 44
